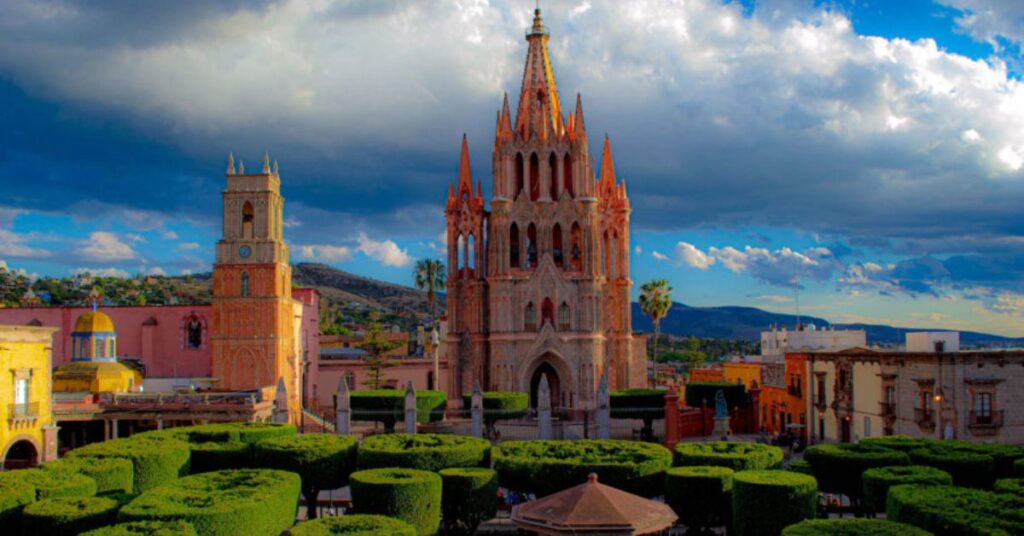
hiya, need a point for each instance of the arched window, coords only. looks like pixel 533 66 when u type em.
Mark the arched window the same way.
pixel 460 252
pixel 556 246
pixel 567 174
pixel 245 284
pixel 519 176
pixel 470 253
pixel 513 242
pixel 195 332
pixel 613 272
pixel 534 177
pixel 547 312
pixel 563 317
pixel 576 248
pixel 530 317
pixel 247 220
pixel 531 246
pixel 553 175
pixel 604 255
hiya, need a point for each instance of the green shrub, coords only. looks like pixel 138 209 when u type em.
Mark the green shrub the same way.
pixel 765 502
pixel 852 526
pixel 800 466
pixel 14 495
pixel 387 406
pixel 354 525
pixel 500 405
pixel 838 466
pixel 644 404
pixel 700 495
pixel 956 511
pixel 429 452
pixel 469 496
pixel 543 467
pixel 967 468
pixel 52 484
pixel 701 393
pixel 1010 485
pixel 223 432
pixel 877 481
pixel 154 461
pixel 235 501
pixel 411 495
pixel 147 528
pixel 323 461
pixel 1018 467
pixel 110 474
pixel 898 442
pixel 736 455
pixel 215 456
pixel 68 515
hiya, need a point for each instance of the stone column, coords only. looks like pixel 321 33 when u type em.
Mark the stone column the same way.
pixel 477 411
pixel 603 409
pixel 410 409
pixel 281 402
pixel 343 415
pixel 544 409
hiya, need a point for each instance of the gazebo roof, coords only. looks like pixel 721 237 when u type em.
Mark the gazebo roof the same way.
pixel 593 508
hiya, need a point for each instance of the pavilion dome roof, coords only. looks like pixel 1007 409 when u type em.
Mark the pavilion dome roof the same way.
pixel 94 322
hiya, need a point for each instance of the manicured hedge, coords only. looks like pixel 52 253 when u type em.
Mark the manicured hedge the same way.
pixel 110 474
pixel 235 501
pixel 146 528
pixel 469 496
pixel 736 455
pixel 877 481
pixel 956 511
pixel 245 432
pixel 637 403
pixel 897 442
pixel 765 502
pixel 852 526
pixel 387 406
pixel 700 495
pixel 14 495
pixel 1018 467
pixel 68 515
pixel 838 466
pixel 411 495
pixel 1010 485
pixel 499 405
pixel 543 467
pixel 429 452
pixel 52 484
pixel 354 525
pixel 323 461
pixel 214 456
pixel 700 393
pixel 969 469
pixel 154 461
pixel 800 466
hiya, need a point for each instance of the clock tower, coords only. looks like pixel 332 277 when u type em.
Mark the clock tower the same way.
pixel 253 310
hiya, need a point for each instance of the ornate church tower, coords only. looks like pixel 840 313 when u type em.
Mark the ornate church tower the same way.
pixel 539 286
pixel 252 286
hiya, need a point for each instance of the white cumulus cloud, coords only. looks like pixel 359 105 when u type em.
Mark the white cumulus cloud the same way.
pixel 105 246
pixel 323 253
pixel 386 252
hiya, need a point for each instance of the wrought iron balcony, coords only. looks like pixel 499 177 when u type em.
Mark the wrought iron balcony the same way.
pixel 23 411
pixel 925 418
pixel 887 409
pixel 985 420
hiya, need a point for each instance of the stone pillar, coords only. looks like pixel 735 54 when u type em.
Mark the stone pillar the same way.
pixel 410 409
pixel 343 415
pixel 543 409
pixel 49 443
pixel 159 424
pixel 281 402
pixel 603 409
pixel 113 429
pixel 477 411
pixel 672 417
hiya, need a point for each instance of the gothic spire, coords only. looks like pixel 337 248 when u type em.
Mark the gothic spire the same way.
pixel 607 165
pixel 505 121
pixel 231 164
pixel 465 175
pixel 579 129
pixel 539 107
pixel 266 162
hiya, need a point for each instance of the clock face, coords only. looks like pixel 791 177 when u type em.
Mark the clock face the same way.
pixel 244 252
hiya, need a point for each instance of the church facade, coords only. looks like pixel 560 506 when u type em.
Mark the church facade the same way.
pixel 539 283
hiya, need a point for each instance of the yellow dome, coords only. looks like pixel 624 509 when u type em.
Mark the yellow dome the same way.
pixel 94 322
pixel 96 377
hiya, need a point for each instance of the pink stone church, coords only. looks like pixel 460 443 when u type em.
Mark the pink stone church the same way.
pixel 539 284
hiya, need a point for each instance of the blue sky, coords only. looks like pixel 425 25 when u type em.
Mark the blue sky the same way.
pixel 866 155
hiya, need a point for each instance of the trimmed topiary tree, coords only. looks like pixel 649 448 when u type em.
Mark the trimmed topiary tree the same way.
pixel 852 526
pixel 111 474
pixel 154 461
pixel 700 495
pixel 235 501
pixel 969 469
pixel 877 481
pixel 800 466
pixel 469 496
pixel 429 452
pixel 15 494
pixel 222 445
pixel 411 495
pixel 838 466
pixel 956 511
pixel 543 467
pixel 214 456
pixel 52 484
pixel 68 515
pixel 147 528
pixel 499 406
pixel 699 394
pixel 765 502
pixel 387 406
pixel 644 404
pixel 1009 485
pixel 898 442
pixel 323 461
pixel 355 524
pixel 736 455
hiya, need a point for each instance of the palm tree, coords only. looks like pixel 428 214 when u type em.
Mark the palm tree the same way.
pixel 655 301
pixel 430 275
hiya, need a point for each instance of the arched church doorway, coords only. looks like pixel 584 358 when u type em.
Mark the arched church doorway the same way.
pixel 545 370
pixel 21 454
